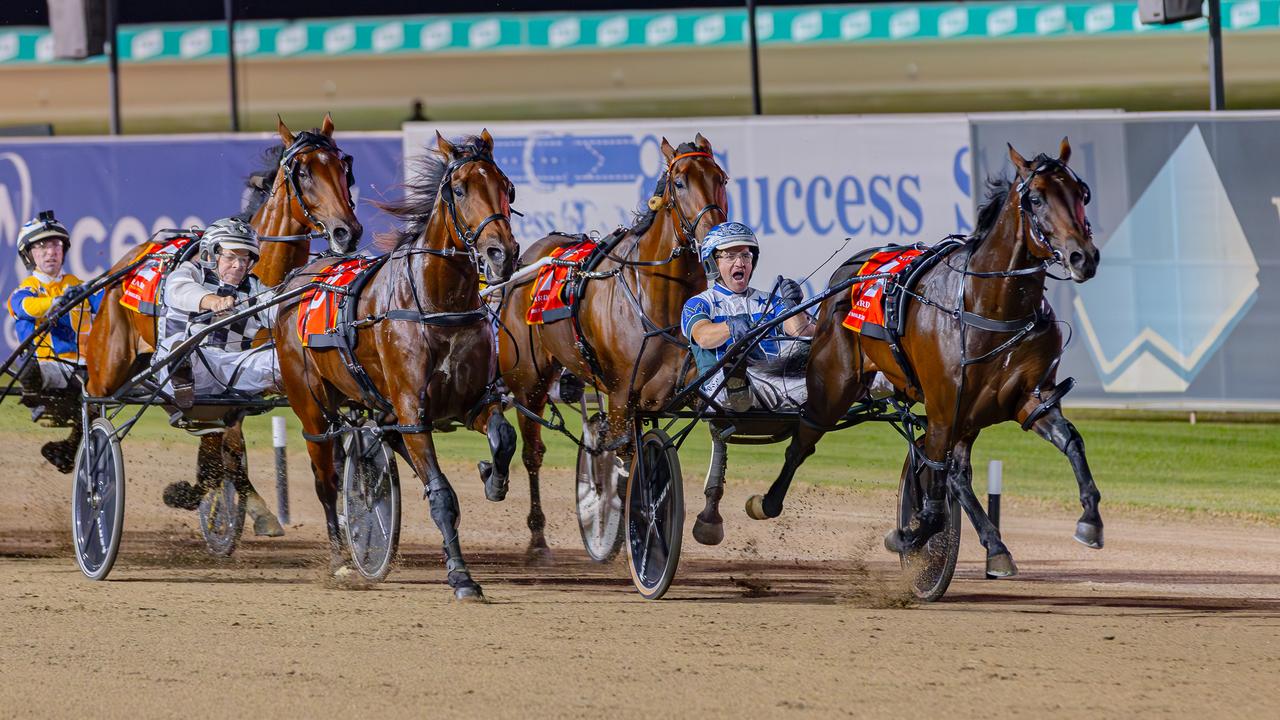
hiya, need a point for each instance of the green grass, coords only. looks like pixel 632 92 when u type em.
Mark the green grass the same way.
pixel 1138 460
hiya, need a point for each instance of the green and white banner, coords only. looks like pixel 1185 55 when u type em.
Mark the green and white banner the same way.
pixel 636 30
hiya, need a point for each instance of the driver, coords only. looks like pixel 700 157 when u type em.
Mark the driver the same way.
pixel 723 314
pixel 50 385
pixel 216 283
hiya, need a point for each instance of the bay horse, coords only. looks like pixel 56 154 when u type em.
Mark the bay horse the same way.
pixel 653 269
pixel 423 353
pixel 981 347
pixel 304 192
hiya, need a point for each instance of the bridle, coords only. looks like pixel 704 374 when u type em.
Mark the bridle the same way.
pixel 686 230
pixel 1028 214
pixel 290 167
pixel 465 233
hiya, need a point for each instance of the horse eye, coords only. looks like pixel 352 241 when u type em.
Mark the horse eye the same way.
pixel 679 184
pixel 457 191
pixel 1035 201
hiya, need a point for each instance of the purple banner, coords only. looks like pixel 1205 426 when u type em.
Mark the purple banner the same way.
pixel 112 194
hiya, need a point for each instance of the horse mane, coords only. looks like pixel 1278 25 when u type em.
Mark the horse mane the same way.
pixel 258 184
pixel 998 189
pixel 421 193
pixel 644 216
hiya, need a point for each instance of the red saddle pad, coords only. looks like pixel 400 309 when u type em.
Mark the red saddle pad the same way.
pixel 868 297
pixel 547 293
pixel 141 288
pixel 318 312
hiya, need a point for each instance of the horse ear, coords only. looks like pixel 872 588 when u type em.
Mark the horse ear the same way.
pixel 326 126
pixel 702 142
pixel 486 139
pixel 285 136
pixel 1064 151
pixel 444 146
pixel 1020 164
pixel 668 152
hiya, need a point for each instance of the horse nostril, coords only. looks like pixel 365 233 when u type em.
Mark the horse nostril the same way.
pixel 496 256
pixel 340 234
pixel 1077 259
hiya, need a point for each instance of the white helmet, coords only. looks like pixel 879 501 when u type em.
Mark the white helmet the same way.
pixel 42 227
pixel 722 236
pixel 229 234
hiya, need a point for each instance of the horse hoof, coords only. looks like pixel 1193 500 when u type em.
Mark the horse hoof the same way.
pixel 1089 535
pixel 538 555
pixel 469 594
pixel 755 508
pixel 1001 565
pixel 267 526
pixel 894 542
pixel 495 486
pixel 60 454
pixel 182 495
pixel 708 533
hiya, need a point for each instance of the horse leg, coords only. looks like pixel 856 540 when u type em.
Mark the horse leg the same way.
pixel 708 528
pixel 325 472
pixel 444 512
pixel 960 480
pixel 1055 428
pixel 502 446
pixel 236 461
pixel 531 454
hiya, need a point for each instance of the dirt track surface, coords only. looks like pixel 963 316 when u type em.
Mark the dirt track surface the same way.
pixel 802 616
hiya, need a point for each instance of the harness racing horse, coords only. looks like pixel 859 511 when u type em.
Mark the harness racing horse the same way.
pixel 980 347
pixel 423 352
pixel 304 193
pixel 625 336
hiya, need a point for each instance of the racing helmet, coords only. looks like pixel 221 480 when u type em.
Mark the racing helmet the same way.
pixel 229 234
pixel 42 227
pixel 722 236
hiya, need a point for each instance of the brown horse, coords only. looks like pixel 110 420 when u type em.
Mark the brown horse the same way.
pixel 982 348
pixel 424 346
pixel 652 271
pixel 305 192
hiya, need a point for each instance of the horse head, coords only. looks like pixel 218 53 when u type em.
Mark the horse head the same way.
pixel 1052 200
pixel 477 197
pixel 318 177
pixel 692 189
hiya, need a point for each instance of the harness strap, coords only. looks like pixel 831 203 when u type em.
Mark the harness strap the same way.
pixel 440 319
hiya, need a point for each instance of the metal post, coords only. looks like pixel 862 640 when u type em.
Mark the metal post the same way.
pixel 995 485
pixel 113 66
pixel 278 441
pixel 1217 95
pixel 231 64
pixel 755 58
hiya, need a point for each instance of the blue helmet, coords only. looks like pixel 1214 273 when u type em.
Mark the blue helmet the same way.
pixel 722 236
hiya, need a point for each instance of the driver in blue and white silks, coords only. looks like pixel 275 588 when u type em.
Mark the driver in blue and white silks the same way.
pixel 218 282
pixel 723 314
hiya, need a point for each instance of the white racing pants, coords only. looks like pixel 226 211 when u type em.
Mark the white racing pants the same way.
pixel 251 371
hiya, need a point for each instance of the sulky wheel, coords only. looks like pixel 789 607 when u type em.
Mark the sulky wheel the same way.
pixel 930 568
pixel 97 500
pixel 370 503
pixel 600 487
pixel 655 514
pixel 221 514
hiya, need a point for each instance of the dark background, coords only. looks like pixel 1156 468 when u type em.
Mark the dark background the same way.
pixel 35 12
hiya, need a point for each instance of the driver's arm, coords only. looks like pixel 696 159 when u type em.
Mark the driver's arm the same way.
pixel 709 335
pixel 797 325
pixel 183 291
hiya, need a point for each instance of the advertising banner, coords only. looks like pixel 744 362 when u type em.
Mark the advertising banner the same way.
pixel 1184 311
pixel 805 184
pixel 112 194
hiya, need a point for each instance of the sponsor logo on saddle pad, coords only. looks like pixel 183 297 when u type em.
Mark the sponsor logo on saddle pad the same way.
pixel 868 297
pixel 141 288
pixel 318 311
pixel 548 289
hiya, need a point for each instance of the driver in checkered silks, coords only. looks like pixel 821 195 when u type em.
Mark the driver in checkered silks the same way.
pixel 772 377
pixel 198 293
